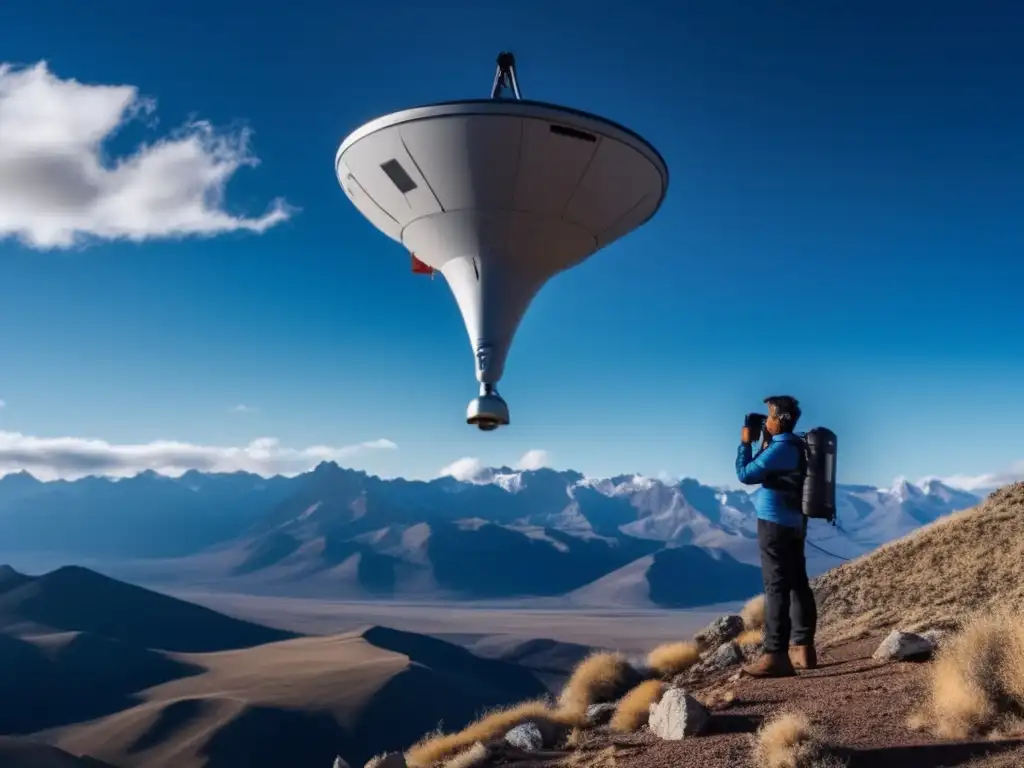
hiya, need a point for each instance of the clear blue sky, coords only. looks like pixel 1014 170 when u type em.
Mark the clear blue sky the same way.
pixel 845 223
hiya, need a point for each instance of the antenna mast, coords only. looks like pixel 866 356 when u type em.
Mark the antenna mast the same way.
pixel 505 76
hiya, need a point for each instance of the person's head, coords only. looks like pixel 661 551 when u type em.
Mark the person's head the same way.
pixel 783 414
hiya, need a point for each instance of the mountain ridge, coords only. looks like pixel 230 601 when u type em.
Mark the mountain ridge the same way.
pixel 505 533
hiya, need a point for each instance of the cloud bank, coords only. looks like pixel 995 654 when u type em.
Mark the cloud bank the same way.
pixel 469 469
pixel 1013 474
pixel 52 458
pixel 58 187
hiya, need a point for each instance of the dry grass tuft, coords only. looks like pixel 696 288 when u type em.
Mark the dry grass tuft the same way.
pixel 600 677
pixel 963 562
pixel 750 638
pixel 473 756
pixel 435 749
pixel 753 613
pixel 788 741
pixel 977 679
pixel 633 710
pixel 672 658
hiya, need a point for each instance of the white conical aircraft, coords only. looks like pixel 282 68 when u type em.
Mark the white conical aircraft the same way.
pixel 499 195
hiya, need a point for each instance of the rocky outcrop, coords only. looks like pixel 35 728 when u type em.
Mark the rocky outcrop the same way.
pixel 678 716
pixel 904 646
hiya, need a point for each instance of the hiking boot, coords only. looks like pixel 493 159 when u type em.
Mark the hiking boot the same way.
pixel 803 657
pixel 770 665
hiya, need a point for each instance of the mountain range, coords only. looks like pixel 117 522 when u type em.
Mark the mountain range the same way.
pixel 626 541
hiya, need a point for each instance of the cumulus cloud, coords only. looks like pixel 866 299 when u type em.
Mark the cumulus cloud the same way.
pixel 466 469
pixel 59 187
pixel 1013 474
pixel 51 458
pixel 471 470
pixel 535 458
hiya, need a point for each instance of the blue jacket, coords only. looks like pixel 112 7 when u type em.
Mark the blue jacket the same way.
pixel 781 454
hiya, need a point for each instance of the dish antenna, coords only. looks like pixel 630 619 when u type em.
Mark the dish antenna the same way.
pixel 499 195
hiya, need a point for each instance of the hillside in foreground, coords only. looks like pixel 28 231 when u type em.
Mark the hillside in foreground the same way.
pixel 950 693
pixel 966 562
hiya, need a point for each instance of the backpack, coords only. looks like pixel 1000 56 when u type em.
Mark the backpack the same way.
pixel 818 499
pixel 811 487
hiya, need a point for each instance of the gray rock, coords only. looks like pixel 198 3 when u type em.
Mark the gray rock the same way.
pixel 678 715
pixel 726 655
pixel 339 763
pixel 600 714
pixel 721 630
pixel 936 636
pixel 526 737
pixel 904 646
pixel 389 760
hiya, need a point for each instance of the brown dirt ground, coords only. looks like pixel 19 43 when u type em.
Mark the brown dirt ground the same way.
pixel 857 704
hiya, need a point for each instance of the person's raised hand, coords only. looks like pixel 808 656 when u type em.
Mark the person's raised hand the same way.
pixel 745 436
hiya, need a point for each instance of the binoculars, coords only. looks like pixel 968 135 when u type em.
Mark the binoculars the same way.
pixel 755 423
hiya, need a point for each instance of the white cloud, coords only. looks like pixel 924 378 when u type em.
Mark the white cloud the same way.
pixel 467 470
pixel 471 470
pixel 59 187
pixel 535 458
pixel 1013 474
pixel 49 458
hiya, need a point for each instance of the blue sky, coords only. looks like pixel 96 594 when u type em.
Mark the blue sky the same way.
pixel 844 223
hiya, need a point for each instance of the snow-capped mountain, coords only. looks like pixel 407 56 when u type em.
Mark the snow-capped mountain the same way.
pixel 502 533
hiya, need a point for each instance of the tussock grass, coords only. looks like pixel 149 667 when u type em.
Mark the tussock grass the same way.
pixel 633 710
pixel 965 562
pixel 753 613
pixel 435 749
pixel 473 756
pixel 673 658
pixel 976 682
pixel 789 741
pixel 600 677
pixel 750 638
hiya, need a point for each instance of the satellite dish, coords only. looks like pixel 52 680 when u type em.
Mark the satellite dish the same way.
pixel 499 195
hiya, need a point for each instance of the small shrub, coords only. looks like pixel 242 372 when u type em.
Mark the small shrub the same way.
pixel 634 708
pixel 753 613
pixel 976 683
pixel 600 677
pixel 672 658
pixel 434 749
pixel 788 741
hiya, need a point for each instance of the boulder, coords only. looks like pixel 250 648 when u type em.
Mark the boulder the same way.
pixel 600 714
pixel 526 737
pixel 677 716
pixel 726 655
pixel 388 760
pixel 904 646
pixel 339 763
pixel 721 630
pixel 936 637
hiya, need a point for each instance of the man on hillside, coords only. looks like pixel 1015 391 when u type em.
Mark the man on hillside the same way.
pixel 790 610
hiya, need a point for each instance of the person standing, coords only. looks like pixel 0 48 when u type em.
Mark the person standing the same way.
pixel 790 609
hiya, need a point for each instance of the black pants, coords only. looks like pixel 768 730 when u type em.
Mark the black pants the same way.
pixel 790 613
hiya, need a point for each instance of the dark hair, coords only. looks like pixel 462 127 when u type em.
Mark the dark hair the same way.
pixel 787 410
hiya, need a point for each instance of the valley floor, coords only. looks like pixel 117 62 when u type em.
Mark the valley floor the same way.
pixel 468 624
